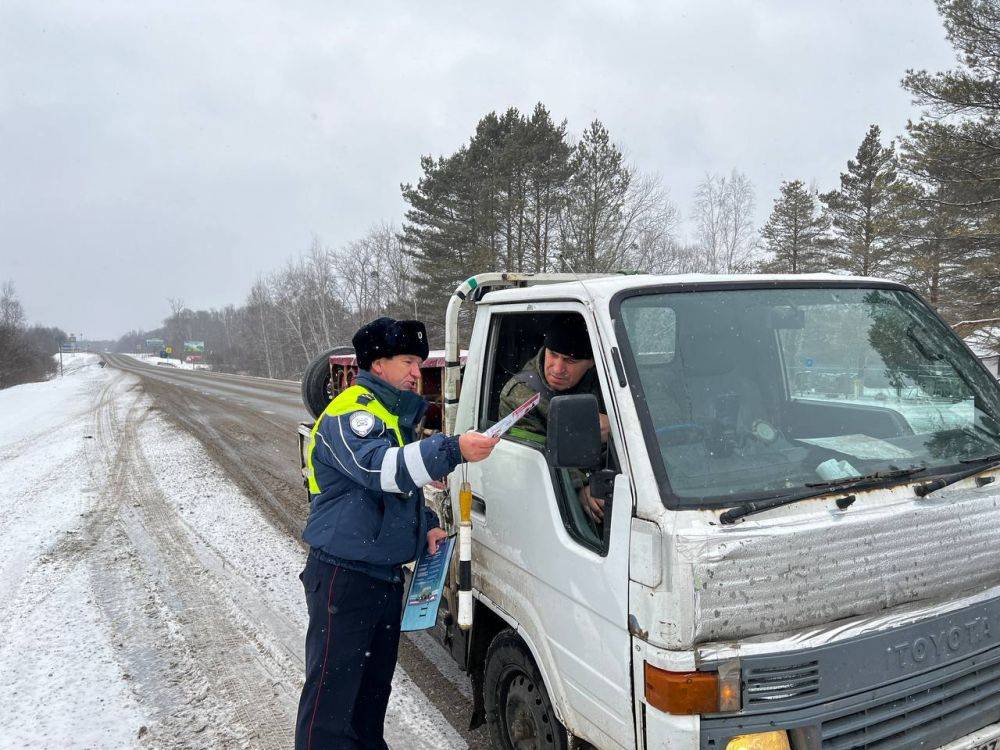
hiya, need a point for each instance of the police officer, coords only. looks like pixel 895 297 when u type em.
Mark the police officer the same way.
pixel 367 517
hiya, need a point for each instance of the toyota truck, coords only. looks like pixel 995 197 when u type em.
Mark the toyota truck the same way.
pixel 799 545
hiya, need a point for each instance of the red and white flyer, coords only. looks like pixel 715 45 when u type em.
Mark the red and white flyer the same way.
pixel 503 426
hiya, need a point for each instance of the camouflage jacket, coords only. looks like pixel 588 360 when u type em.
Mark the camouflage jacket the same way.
pixel 534 424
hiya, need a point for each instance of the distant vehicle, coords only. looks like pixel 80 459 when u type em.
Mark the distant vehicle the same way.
pixel 799 541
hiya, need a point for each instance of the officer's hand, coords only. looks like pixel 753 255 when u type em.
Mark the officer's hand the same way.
pixel 605 427
pixel 592 506
pixel 434 537
pixel 475 446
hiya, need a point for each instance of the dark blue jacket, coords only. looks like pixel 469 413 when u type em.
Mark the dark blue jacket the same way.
pixel 369 515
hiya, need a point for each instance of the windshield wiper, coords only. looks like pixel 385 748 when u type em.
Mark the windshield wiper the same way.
pixel 816 489
pixel 983 463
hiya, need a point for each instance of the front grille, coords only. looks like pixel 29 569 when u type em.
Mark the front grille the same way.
pixel 925 718
pixel 764 685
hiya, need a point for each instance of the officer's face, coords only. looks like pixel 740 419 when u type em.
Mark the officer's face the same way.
pixel 402 371
pixel 562 372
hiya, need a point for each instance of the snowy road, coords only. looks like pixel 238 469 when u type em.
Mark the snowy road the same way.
pixel 146 599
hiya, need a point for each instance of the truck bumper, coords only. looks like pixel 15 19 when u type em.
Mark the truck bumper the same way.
pixel 667 732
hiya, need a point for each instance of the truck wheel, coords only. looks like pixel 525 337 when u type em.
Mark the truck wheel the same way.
pixel 518 710
pixel 316 381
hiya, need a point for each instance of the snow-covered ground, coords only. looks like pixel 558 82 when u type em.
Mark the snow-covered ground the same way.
pixel 149 359
pixel 144 600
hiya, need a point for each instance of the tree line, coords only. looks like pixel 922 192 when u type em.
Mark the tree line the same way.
pixel 315 302
pixel 924 209
pixel 26 352
pixel 524 195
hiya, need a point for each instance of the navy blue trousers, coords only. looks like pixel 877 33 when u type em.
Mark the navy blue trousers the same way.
pixel 351 648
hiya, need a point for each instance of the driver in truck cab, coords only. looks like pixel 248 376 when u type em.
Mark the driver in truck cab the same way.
pixel 563 366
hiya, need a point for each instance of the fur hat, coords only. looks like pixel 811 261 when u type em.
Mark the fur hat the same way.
pixel 386 337
pixel 567 335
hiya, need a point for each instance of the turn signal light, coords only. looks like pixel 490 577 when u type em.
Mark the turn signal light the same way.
pixel 693 692
pixel 760 741
pixel 682 692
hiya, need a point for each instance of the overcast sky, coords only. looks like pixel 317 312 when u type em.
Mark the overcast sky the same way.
pixel 179 149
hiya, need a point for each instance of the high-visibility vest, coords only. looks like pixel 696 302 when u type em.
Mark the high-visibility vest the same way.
pixel 348 401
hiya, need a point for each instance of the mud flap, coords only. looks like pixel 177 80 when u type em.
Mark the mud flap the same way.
pixel 478 703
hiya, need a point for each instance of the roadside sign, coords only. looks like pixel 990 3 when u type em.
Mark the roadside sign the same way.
pixel 194 347
pixel 168 349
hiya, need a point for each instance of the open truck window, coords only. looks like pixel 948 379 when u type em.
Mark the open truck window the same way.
pixel 516 339
pixel 756 392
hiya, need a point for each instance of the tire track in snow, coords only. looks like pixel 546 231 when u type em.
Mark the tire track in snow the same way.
pixel 105 464
pixel 226 654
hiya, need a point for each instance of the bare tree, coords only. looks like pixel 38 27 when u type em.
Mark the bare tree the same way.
pixel 626 225
pixel 723 213
pixel 11 311
pixel 648 238
pixel 22 357
pixel 739 237
pixel 176 305
pixel 676 257
pixel 290 293
pixel 260 305
pixel 376 275
pixel 323 289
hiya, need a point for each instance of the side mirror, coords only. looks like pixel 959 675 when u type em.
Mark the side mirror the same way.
pixel 573 439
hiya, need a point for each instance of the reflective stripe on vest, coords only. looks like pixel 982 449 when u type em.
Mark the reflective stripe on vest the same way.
pixel 349 401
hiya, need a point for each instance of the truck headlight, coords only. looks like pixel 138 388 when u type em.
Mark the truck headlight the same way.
pixel 694 692
pixel 760 741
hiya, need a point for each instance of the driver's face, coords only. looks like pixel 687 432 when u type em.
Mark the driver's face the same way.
pixel 562 372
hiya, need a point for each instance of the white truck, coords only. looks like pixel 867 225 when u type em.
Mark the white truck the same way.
pixel 800 543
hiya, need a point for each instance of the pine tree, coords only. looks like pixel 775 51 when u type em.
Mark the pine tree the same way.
pixel 591 228
pixel 497 151
pixel 447 230
pixel 865 211
pixel 549 171
pixel 933 257
pixel 492 205
pixel 954 151
pixel 795 233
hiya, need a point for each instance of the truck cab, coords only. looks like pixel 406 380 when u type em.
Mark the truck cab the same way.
pixel 799 545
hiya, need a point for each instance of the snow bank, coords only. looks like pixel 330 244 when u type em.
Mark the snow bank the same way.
pixel 60 682
pixel 149 359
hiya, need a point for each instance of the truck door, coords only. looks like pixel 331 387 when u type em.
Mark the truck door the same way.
pixel 539 556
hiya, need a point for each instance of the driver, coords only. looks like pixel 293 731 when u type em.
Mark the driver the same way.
pixel 563 366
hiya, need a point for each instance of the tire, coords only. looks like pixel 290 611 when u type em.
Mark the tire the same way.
pixel 316 381
pixel 518 710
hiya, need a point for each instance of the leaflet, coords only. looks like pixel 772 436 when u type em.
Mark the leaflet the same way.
pixel 864 447
pixel 424 596
pixel 502 427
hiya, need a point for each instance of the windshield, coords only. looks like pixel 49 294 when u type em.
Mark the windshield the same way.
pixel 749 393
